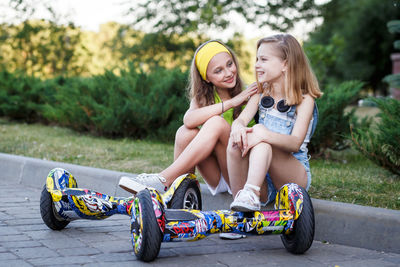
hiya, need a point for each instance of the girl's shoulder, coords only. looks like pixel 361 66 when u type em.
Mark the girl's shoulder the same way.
pixel 307 103
pixel 307 99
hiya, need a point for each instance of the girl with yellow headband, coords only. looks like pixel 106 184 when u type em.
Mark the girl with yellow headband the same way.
pixel 216 100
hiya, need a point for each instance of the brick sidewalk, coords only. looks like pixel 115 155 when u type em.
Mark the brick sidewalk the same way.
pixel 26 241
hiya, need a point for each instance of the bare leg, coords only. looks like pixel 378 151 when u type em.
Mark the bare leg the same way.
pixel 212 167
pixel 215 130
pixel 285 168
pixel 183 137
pixel 259 163
pixel 237 168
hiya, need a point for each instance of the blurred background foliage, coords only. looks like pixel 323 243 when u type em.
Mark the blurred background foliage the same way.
pixel 129 79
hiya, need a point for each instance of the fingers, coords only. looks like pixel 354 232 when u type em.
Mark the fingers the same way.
pixel 252 89
pixel 244 152
pixel 239 138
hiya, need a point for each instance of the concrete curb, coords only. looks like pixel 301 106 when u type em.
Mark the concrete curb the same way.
pixel 336 222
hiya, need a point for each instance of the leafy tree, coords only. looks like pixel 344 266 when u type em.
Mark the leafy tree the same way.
pixel 181 16
pixel 360 27
pixel 42 48
pixel 175 28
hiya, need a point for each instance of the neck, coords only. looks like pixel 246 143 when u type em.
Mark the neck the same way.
pixel 278 90
pixel 223 93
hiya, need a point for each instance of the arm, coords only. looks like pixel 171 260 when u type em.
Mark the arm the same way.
pixel 196 115
pixel 239 126
pixel 289 143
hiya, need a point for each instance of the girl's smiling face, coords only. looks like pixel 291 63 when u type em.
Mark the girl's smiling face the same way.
pixel 222 71
pixel 270 66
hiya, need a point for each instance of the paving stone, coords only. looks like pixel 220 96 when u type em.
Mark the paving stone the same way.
pixel 34 227
pixel 46 234
pixel 21 244
pixel 120 264
pixel 22 222
pixel 7 256
pixel 78 251
pixel 31 253
pixel 114 246
pixel 8 230
pixel 114 257
pixel 16 263
pixel 65 261
pixel 18 237
pixel 62 243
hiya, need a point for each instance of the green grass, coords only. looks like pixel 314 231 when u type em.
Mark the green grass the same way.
pixel 349 177
pixel 346 176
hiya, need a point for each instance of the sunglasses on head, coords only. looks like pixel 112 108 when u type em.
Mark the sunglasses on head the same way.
pixel 268 102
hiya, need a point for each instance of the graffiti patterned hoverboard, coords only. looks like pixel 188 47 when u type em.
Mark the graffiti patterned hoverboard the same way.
pixel 61 200
pixel 153 220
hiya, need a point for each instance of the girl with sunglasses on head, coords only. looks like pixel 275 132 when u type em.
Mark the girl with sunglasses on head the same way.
pixel 274 152
pixel 217 97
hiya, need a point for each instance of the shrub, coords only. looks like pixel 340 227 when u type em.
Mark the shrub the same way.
pixel 334 123
pixel 20 96
pixel 134 103
pixel 380 143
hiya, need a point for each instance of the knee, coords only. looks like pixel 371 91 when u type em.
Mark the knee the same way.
pixel 262 149
pixel 217 123
pixel 184 135
pixel 265 146
pixel 233 151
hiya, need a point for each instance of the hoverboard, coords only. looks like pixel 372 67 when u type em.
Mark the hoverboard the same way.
pixel 152 222
pixel 62 201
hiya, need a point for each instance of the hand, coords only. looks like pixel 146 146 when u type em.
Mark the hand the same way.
pixel 244 95
pixel 239 136
pixel 253 138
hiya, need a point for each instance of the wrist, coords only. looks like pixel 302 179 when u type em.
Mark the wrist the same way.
pixel 227 104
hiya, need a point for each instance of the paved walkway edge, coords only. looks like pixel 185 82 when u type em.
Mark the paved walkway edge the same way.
pixel 336 222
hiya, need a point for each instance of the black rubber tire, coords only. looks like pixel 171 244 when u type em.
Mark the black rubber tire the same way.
pixel 187 196
pixel 300 240
pixel 151 233
pixel 47 211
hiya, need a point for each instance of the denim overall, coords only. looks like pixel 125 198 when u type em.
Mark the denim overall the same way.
pixel 283 123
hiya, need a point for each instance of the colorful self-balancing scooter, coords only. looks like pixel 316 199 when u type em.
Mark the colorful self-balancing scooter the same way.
pixel 152 222
pixel 62 201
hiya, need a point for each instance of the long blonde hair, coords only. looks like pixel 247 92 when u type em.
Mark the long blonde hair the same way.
pixel 203 91
pixel 299 77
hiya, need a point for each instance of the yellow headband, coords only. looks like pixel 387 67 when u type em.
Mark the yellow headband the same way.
pixel 205 54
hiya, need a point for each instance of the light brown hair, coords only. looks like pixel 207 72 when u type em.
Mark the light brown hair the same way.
pixel 299 77
pixel 203 91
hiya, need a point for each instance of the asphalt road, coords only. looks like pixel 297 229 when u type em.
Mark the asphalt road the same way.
pixel 26 241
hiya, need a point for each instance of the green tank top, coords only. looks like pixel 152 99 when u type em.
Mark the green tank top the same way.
pixel 228 115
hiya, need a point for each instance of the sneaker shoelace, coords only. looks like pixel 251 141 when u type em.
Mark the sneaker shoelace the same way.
pixel 144 177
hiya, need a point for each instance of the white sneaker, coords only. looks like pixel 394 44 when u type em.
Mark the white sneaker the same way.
pixel 142 181
pixel 246 199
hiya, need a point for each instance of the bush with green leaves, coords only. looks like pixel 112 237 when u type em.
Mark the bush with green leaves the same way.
pixel 21 96
pixel 334 123
pixel 380 142
pixel 133 103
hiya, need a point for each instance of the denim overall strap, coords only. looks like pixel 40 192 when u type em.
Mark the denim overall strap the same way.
pixel 291 112
pixel 315 121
